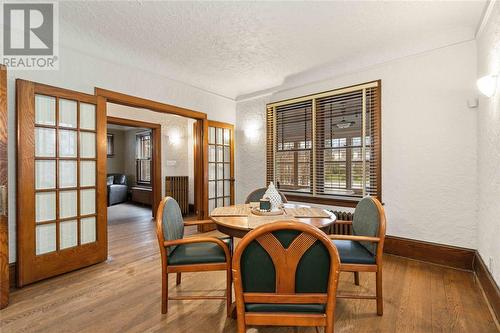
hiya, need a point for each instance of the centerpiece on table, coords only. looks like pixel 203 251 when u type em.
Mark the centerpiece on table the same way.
pixel 271 203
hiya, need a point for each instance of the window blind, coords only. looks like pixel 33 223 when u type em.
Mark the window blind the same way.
pixel 326 145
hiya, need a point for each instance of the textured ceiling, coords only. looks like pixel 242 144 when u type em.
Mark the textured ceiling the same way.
pixel 239 48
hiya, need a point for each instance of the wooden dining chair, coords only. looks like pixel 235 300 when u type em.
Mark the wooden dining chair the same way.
pixel 194 254
pixel 257 194
pixel 363 250
pixel 285 274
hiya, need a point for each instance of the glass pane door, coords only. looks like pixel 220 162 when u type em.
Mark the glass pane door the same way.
pixel 220 165
pixel 65 157
pixel 61 226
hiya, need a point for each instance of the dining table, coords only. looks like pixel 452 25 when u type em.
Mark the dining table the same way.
pixel 237 220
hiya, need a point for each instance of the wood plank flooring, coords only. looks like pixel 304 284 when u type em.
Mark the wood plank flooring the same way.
pixel 123 295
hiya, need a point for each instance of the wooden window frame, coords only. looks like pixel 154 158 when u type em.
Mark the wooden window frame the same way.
pixel 337 200
pixel 139 159
pixel 110 148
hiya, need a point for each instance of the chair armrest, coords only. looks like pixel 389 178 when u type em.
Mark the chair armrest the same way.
pixel 197 222
pixel 192 240
pixel 355 238
pixel 343 222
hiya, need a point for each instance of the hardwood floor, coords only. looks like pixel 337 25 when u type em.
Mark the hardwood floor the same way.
pixel 123 295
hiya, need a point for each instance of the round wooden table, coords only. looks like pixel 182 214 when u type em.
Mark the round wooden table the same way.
pixel 237 220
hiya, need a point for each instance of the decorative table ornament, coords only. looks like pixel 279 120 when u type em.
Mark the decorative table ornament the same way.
pixel 274 196
pixel 265 205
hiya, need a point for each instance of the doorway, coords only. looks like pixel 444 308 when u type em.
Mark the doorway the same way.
pixel 133 163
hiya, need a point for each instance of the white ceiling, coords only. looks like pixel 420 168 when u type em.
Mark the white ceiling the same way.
pixel 239 48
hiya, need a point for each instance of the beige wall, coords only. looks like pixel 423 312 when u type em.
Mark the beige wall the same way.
pixel 488 125
pixel 429 177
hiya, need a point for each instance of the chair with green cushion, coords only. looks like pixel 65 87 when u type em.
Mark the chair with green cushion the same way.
pixel 257 194
pixel 286 274
pixel 194 254
pixel 363 250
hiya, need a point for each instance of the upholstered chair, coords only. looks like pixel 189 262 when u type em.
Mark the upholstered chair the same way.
pixel 286 274
pixel 257 194
pixel 193 254
pixel 363 250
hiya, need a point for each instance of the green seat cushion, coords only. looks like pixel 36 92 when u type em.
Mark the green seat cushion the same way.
pixel 352 252
pixel 300 308
pixel 197 253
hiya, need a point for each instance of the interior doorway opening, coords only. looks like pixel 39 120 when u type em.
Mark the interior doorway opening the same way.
pixel 149 160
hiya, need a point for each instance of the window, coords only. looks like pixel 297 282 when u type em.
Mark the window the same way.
pixel 111 146
pixel 327 145
pixel 143 158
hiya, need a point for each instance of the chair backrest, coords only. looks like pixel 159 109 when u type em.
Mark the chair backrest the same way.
pixel 286 258
pixel 169 222
pixel 257 194
pixel 118 178
pixel 369 220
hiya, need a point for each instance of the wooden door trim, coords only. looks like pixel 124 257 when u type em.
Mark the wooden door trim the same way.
pixel 138 102
pixel 201 136
pixel 4 222
pixel 156 131
pixel 32 267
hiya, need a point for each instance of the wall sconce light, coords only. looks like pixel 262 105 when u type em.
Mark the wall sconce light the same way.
pixel 487 85
pixel 174 138
pixel 252 130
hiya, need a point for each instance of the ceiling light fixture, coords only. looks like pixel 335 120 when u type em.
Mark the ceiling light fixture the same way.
pixel 487 85
pixel 344 124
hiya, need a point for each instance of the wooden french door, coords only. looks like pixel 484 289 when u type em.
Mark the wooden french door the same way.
pixel 61 190
pixel 220 164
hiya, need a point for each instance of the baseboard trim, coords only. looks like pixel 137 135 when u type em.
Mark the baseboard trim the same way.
pixel 12 275
pixel 490 288
pixel 446 255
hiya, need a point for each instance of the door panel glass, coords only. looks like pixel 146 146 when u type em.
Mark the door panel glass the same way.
pixel 67 143
pixel 87 145
pixel 219 136
pixel 211 204
pixel 227 136
pixel 87 173
pixel 87 202
pixel 67 174
pixel 88 230
pixel 87 116
pixel 45 174
pixel 45 238
pixel 68 234
pixel 220 171
pixel 211 189
pixel 227 188
pixel 45 206
pixel 211 153
pixel 67 113
pixel 211 135
pixel 219 154
pixel 45 110
pixel 220 188
pixel 211 171
pixel 67 204
pixel 227 171
pixel 45 142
